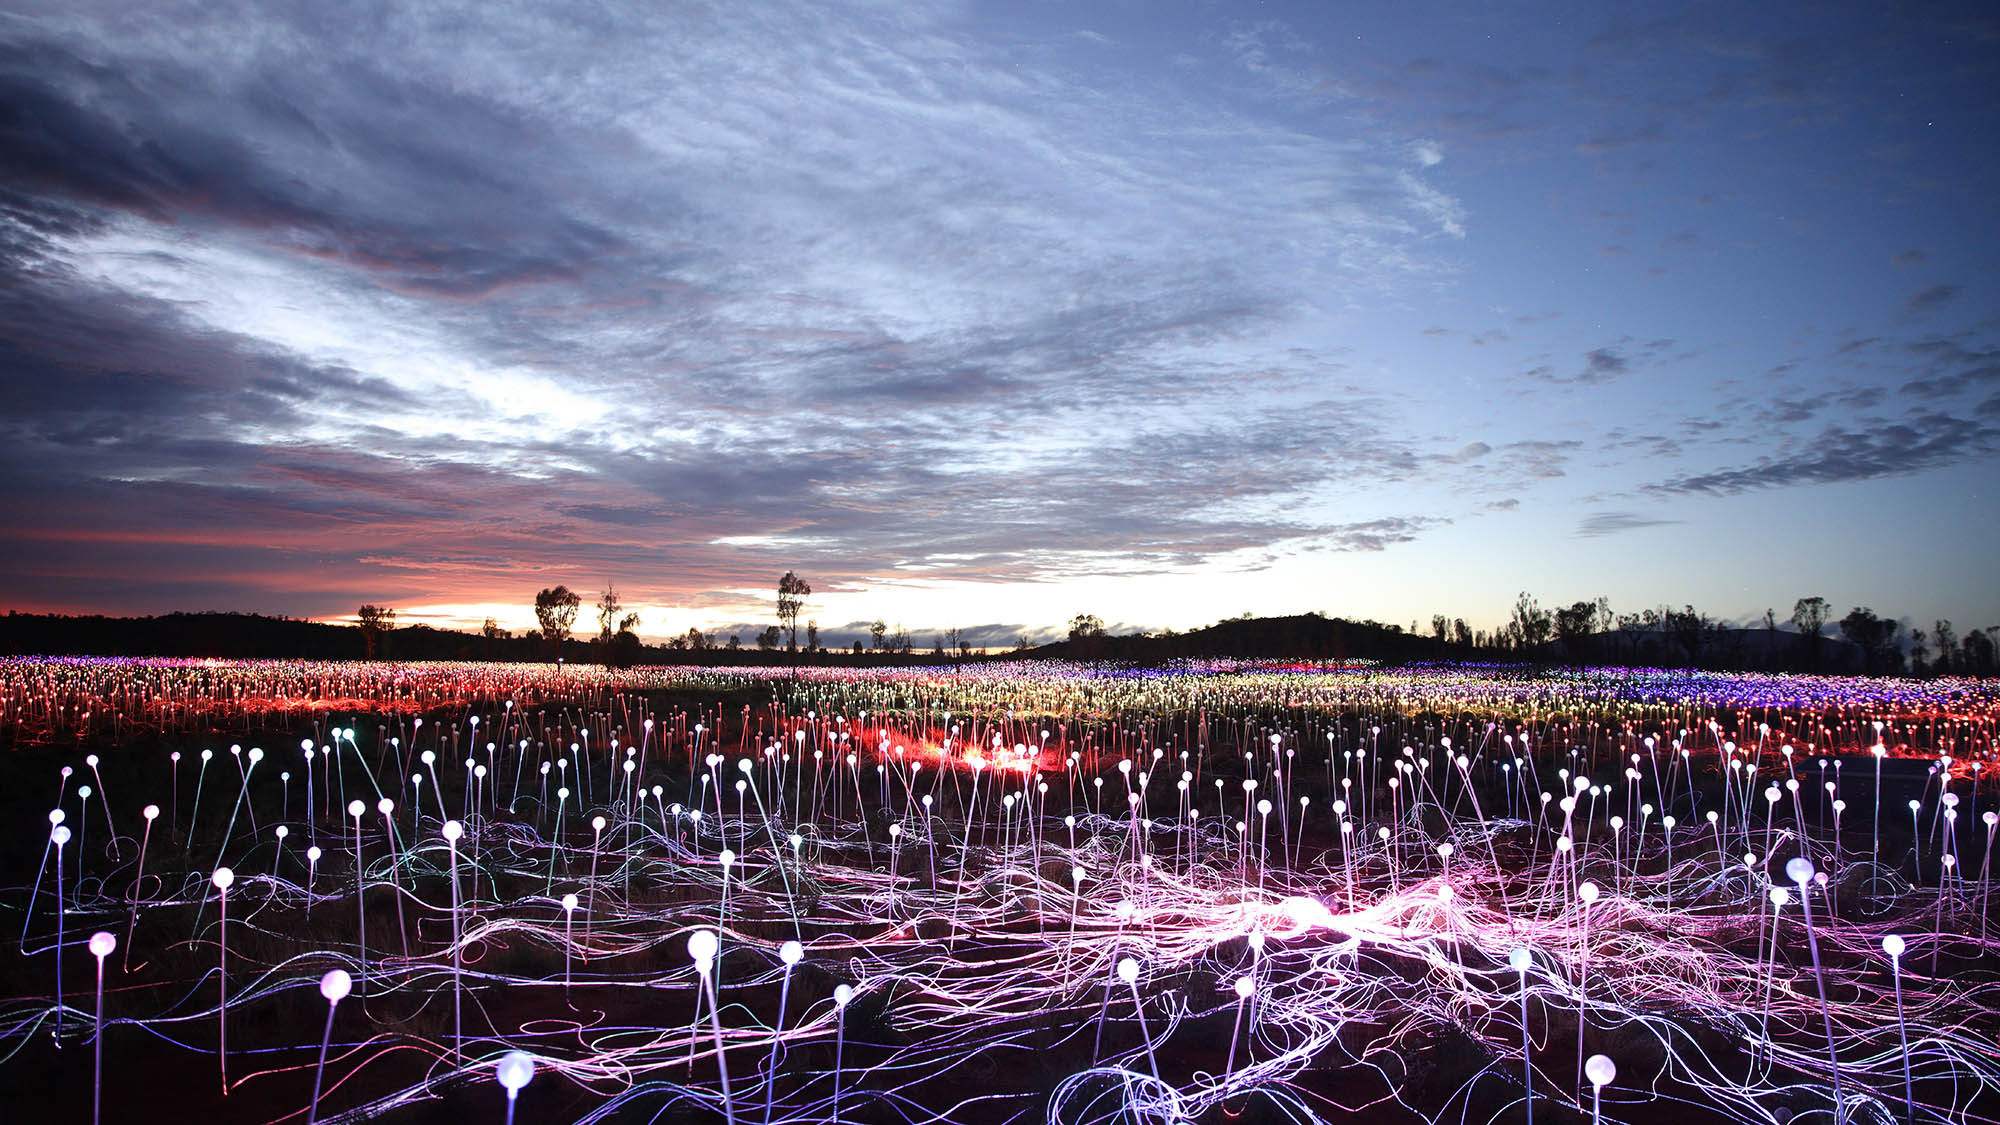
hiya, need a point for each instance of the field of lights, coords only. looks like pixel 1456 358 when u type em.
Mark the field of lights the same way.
pixel 1218 892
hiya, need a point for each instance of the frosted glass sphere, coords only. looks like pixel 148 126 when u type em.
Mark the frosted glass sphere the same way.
pixel 702 945
pixel 514 1070
pixel 1600 1070
pixel 335 985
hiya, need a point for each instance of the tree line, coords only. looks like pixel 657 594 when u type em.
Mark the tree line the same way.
pixel 1582 632
pixel 1861 641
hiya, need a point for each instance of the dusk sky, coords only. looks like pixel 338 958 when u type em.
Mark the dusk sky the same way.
pixel 989 314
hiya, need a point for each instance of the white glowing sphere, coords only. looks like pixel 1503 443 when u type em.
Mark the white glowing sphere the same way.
pixel 313 854
pixel 597 823
pixel 1128 970
pixel 1244 986
pixel 1893 945
pixel 569 901
pixel 283 831
pixel 1600 1070
pixel 151 812
pixel 1780 896
pixel 222 878
pixel 1799 870
pixel 702 945
pixel 385 806
pixel 427 758
pixel 56 816
pixel 356 808
pixel 59 835
pixel 335 985
pixel 514 1070
pixel 101 944
pixel 1587 891
pixel 1520 958
pixel 453 830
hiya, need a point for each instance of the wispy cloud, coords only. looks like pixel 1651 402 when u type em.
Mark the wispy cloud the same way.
pixel 618 285
pixel 1611 523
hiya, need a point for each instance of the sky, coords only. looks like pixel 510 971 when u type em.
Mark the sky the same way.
pixel 983 315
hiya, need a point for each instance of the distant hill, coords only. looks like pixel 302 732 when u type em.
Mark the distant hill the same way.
pixel 1307 636
pixel 247 636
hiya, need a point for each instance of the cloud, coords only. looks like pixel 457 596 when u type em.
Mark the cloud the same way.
pixel 1651 133
pixel 1923 441
pixel 631 291
pixel 1606 363
pixel 1934 297
pixel 1611 523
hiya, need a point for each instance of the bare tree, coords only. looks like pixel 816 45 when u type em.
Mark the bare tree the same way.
pixel 878 630
pixel 374 621
pixel 792 592
pixel 812 635
pixel 608 606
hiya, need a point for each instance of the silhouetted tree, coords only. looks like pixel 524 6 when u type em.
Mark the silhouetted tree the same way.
pixel 1531 624
pixel 878 630
pixel 1920 650
pixel 1978 653
pixel 792 592
pixel 1689 629
pixel 1085 625
pixel 812 635
pixel 1946 639
pixel 1573 623
pixel 492 633
pixel 770 638
pixel 556 609
pixel 1876 638
pixel 1809 616
pixel 374 620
